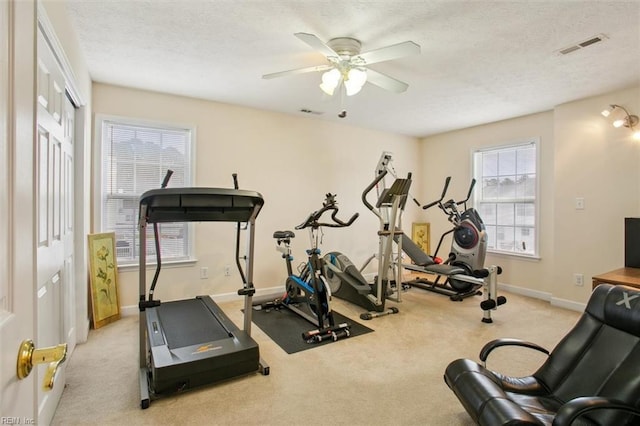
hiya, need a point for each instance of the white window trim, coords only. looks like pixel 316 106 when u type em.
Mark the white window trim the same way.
pixel 99 119
pixel 513 144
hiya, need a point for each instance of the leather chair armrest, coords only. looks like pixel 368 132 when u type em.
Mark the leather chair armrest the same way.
pixel 494 344
pixel 579 406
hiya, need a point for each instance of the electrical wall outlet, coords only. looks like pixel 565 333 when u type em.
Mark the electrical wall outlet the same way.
pixel 204 273
pixel 578 279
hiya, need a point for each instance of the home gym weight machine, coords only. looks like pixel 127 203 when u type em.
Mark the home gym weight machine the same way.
pixel 189 343
pixel 464 270
pixel 467 252
pixel 346 281
pixel 308 294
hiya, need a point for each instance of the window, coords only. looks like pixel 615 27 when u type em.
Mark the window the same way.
pixel 507 197
pixel 134 158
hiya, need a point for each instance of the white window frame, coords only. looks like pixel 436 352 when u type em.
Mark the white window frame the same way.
pixel 477 197
pixel 98 176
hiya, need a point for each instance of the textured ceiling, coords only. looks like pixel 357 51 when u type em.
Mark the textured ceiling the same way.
pixel 481 61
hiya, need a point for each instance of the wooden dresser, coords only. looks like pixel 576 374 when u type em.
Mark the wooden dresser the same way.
pixel 624 276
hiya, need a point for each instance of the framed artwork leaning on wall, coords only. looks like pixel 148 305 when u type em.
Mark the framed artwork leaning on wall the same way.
pixel 103 279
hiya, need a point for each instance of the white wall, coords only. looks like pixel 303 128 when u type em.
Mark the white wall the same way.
pixel 293 161
pixel 450 154
pixel 581 155
pixel 600 163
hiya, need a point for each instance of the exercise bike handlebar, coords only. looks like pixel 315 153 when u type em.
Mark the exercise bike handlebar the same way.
pixel 444 192
pixel 473 184
pixel 313 221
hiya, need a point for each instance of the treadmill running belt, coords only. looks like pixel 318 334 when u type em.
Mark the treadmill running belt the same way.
pixel 189 322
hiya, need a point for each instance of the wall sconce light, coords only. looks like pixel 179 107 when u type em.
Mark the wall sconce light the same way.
pixel 623 119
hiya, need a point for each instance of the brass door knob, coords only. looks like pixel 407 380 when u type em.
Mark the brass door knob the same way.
pixel 28 356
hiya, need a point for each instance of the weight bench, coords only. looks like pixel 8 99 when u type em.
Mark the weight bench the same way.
pixel 468 282
pixel 422 262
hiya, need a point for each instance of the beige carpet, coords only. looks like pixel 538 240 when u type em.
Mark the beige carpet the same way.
pixel 392 376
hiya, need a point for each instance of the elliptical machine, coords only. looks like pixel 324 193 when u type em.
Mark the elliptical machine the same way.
pixel 468 247
pixel 308 294
pixel 345 279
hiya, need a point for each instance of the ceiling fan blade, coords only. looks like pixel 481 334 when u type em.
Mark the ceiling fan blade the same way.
pixel 385 82
pixel 387 53
pixel 318 45
pixel 316 68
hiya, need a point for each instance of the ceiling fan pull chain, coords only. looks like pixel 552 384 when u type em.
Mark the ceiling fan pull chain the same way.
pixel 343 111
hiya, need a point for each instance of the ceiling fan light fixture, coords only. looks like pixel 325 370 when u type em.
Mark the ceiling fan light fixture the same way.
pixel 330 80
pixel 356 78
pixel 344 57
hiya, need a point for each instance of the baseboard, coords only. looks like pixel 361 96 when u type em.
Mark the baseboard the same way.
pixel 370 276
pixel 543 295
pixel 536 294
pixel 82 334
pixel 568 304
pixel 225 297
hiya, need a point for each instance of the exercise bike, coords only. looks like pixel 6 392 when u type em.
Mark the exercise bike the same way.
pixel 468 248
pixel 308 294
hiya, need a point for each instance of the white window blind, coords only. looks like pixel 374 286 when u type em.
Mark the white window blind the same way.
pixel 507 197
pixel 135 159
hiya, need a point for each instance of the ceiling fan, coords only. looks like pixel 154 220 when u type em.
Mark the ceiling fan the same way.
pixel 350 67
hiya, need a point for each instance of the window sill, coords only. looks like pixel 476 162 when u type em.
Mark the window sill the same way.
pixel 168 264
pixel 533 258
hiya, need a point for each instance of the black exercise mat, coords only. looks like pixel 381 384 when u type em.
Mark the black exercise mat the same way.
pixel 285 328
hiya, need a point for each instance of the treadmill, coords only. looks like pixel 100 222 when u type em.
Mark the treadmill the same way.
pixel 189 343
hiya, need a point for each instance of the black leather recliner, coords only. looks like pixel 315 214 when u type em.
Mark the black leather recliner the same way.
pixel 592 377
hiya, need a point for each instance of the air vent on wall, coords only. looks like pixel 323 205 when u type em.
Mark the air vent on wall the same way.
pixel 581 45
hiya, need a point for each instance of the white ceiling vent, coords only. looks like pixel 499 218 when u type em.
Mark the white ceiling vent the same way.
pixel 581 45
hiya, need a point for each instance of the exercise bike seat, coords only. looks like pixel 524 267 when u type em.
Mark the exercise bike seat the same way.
pixel 281 235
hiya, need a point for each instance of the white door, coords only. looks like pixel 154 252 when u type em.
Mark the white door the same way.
pixel 36 181
pixel 17 261
pixel 54 218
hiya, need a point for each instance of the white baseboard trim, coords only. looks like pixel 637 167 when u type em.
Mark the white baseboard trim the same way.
pixel 83 330
pixel 225 297
pixel 536 294
pixel 543 295
pixel 568 304
pixel 127 311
